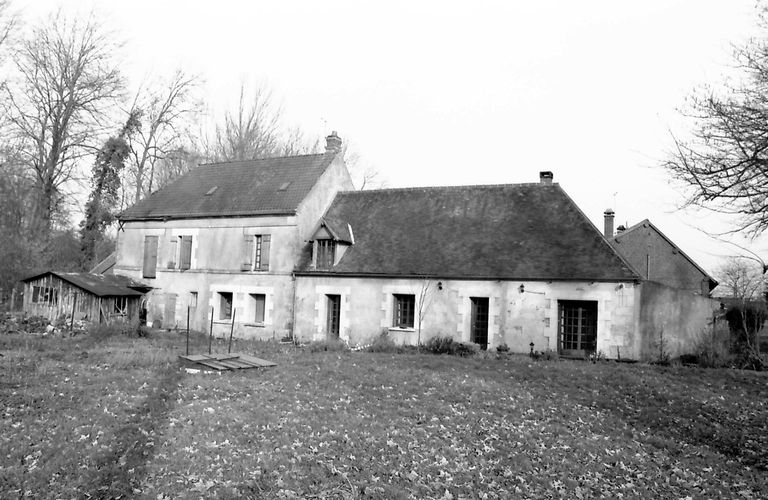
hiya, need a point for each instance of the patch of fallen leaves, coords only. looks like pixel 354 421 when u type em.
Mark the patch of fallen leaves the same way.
pixel 364 425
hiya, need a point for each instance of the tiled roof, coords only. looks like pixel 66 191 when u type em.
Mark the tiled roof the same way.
pixel 256 187
pixel 520 231
pixel 101 285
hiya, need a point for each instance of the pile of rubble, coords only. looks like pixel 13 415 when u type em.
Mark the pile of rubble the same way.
pixel 39 325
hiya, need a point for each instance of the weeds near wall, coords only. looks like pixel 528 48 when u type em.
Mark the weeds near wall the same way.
pixel 662 354
pixel 446 345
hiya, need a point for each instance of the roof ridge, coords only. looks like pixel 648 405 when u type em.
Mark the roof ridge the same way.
pixel 454 187
pixel 230 162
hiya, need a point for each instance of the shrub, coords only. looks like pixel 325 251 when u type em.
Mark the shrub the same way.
pixel 107 330
pixel 383 343
pixel 712 349
pixel 502 348
pixel 446 345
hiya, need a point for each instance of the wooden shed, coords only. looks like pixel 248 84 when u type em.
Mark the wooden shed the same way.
pixel 93 297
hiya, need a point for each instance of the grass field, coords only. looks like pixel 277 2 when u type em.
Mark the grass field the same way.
pixel 119 417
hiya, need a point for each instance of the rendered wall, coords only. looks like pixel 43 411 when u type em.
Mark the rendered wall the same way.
pixel 218 251
pixel 656 260
pixel 515 318
pixel 672 320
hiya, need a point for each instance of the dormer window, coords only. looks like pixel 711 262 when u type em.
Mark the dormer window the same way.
pixel 326 254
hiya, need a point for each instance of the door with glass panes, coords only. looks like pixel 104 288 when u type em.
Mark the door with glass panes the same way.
pixel 577 327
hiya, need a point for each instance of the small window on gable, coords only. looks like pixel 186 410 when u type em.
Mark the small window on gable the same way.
pixel 403 311
pixel 225 305
pixel 326 254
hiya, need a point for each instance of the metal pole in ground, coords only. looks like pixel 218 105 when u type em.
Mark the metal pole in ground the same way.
pixel 231 329
pixel 210 338
pixel 187 330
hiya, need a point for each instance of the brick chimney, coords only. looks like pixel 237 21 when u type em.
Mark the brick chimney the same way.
pixel 545 177
pixel 333 143
pixel 608 226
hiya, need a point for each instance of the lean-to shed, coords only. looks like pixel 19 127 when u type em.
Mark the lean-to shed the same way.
pixel 93 297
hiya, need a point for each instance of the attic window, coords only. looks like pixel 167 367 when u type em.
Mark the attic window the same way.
pixel 212 190
pixel 284 186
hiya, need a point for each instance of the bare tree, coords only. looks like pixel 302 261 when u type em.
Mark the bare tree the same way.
pixel 8 20
pixel 255 130
pixel 364 174
pixel 164 111
pixel 57 103
pixel 744 282
pixel 423 304
pixel 725 163
pixel 741 279
pixel 251 131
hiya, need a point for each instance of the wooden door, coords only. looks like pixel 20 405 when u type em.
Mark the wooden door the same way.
pixel 169 315
pixel 577 327
pixel 479 321
pixel 334 315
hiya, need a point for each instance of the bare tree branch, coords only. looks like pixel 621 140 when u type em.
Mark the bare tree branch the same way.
pixel 65 79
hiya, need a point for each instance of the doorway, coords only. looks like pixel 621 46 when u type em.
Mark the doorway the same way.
pixel 577 327
pixel 479 321
pixel 334 315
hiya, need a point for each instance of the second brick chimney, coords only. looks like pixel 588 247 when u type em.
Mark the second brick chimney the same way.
pixel 333 143
pixel 545 177
pixel 608 226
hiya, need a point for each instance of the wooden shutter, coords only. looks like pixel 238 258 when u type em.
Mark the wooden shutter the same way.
pixel 150 256
pixel 185 258
pixel 248 255
pixel 172 253
pixel 259 300
pixel 265 243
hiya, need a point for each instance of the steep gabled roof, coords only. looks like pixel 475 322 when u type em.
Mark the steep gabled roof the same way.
pixel 101 285
pixel 520 231
pixel 270 186
pixel 647 223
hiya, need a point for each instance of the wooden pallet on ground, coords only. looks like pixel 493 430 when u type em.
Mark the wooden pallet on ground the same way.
pixel 235 361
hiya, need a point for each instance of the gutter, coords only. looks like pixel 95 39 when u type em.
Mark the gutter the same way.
pixel 331 274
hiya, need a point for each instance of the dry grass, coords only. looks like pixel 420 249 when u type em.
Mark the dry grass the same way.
pixel 119 416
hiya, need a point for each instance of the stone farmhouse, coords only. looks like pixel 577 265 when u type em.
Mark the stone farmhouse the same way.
pixel 283 247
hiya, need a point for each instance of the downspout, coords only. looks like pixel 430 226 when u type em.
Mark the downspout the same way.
pixel 293 310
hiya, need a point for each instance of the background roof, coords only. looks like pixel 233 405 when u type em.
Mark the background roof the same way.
pixel 520 231
pixel 266 186
pixel 101 285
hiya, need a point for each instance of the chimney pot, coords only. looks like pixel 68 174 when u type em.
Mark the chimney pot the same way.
pixel 608 226
pixel 545 177
pixel 333 143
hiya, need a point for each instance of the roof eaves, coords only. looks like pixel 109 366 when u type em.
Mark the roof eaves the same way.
pixel 337 274
pixel 204 215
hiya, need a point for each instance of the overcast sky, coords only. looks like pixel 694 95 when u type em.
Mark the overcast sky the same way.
pixel 450 93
